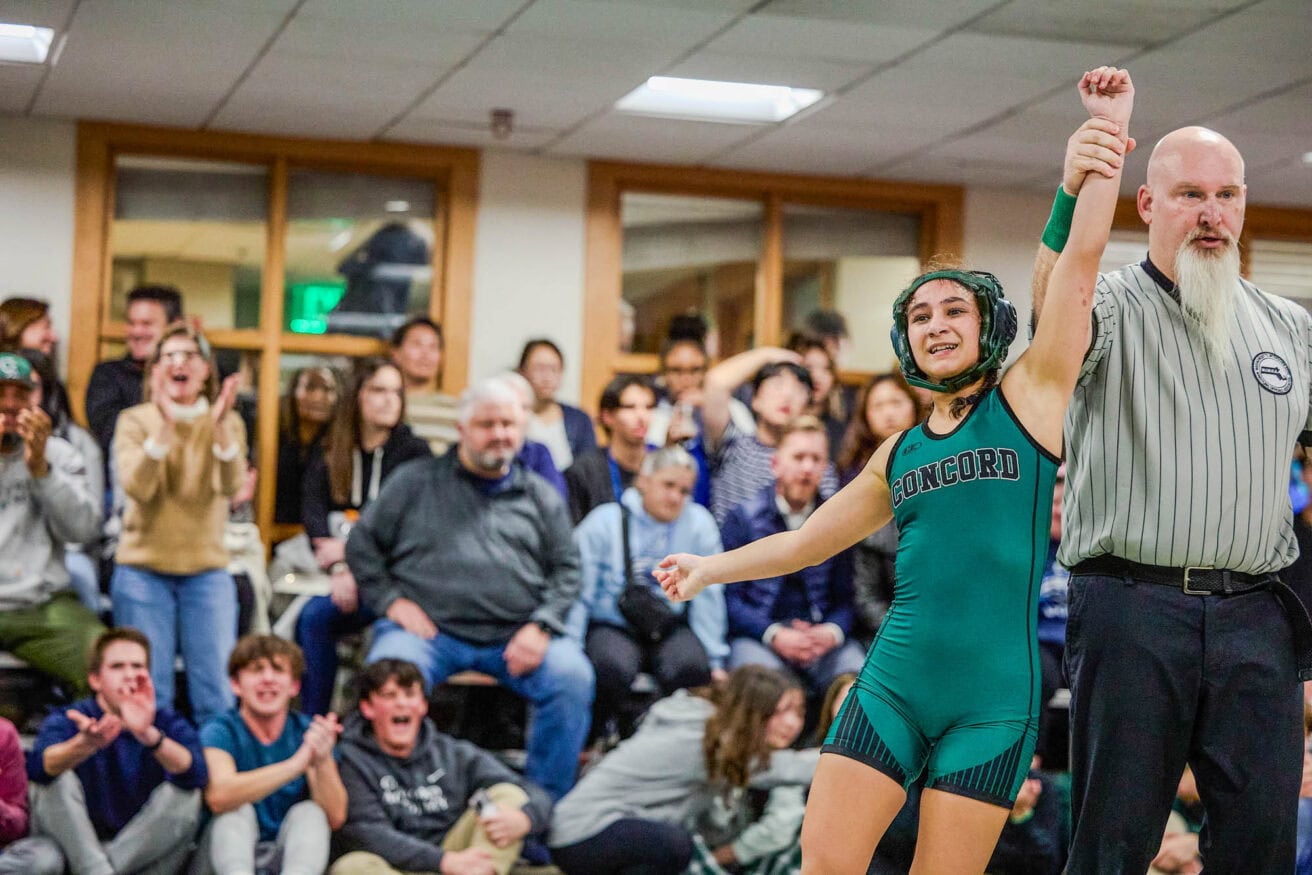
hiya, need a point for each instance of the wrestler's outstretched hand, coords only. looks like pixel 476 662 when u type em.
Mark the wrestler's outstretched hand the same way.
pixel 680 575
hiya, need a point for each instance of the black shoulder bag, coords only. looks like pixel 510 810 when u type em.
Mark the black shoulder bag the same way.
pixel 648 613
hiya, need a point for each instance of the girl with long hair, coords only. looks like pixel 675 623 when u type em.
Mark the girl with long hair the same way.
pixel 951 687
pixel 885 406
pixel 367 440
pixel 827 403
pixel 628 814
pixel 303 419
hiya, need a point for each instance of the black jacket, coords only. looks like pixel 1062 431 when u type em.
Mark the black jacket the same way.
pixel 589 482
pixel 115 386
pixel 317 497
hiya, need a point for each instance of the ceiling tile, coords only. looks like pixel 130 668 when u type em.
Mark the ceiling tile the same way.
pixel 143 61
pixel 936 15
pixel 1288 184
pixel 787 37
pixel 635 138
pixel 585 19
pixel 799 148
pixel 1224 65
pixel 18 82
pixel 1272 131
pixel 297 119
pixel 323 80
pixel 39 13
pixel 769 70
pixel 962 81
pixel 486 15
pixel 721 5
pixel 377 40
pixel 547 82
pixel 936 168
pixel 1125 22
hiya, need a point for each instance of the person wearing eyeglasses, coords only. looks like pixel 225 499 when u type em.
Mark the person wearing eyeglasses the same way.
pixel 180 456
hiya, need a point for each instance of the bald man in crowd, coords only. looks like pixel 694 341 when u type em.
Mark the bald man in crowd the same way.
pixel 1183 645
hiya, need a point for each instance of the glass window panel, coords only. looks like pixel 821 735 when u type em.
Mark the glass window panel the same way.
pixel 359 252
pixel 197 225
pixel 1282 267
pixel 689 255
pixel 852 261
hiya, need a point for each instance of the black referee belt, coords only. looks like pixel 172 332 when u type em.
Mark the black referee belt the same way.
pixel 1191 581
pixel 1216 581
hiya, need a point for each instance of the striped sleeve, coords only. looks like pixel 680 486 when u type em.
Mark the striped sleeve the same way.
pixel 1105 316
pixel 1305 324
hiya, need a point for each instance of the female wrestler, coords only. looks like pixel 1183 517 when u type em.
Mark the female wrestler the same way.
pixel 951 686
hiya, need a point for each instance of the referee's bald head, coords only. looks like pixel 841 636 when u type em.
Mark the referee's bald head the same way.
pixel 1185 146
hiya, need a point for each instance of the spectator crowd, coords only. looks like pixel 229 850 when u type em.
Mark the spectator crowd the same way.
pixel 490 533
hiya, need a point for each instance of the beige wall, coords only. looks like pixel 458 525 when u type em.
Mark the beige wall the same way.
pixel 36 214
pixel 528 262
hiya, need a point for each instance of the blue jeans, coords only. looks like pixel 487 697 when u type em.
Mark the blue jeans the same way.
pixel 847 657
pixel 318 627
pixel 1303 863
pixel 560 689
pixel 196 613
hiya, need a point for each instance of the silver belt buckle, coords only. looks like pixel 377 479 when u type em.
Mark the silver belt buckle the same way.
pixel 1190 590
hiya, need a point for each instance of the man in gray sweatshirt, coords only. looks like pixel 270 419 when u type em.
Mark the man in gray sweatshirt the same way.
pixel 469 560
pixel 421 801
pixel 44 502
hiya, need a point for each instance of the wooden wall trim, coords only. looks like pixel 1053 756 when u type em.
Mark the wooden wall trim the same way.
pixel 345 155
pixel 940 208
pixel 601 287
pixel 90 231
pixel 767 319
pixel 271 309
pixel 457 272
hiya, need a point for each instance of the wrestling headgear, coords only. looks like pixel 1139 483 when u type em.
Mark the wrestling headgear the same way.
pixel 997 328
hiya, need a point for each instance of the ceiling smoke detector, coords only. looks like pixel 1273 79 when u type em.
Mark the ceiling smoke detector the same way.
pixel 502 122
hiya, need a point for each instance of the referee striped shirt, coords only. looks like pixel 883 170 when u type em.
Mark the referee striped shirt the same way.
pixel 1174 460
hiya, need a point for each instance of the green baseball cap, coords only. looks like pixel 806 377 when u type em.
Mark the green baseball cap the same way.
pixel 16 369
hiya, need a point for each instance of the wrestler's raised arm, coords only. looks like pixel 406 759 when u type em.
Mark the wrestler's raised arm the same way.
pixel 1039 386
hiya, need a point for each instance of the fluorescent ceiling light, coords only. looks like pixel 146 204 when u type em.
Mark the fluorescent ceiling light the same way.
pixel 25 44
pixel 708 100
pixel 397 206
pixel 1307 158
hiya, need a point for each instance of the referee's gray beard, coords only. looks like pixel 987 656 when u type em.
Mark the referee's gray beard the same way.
pixel 1208 281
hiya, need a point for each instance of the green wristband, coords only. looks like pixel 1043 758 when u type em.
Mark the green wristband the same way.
pixel 1059 222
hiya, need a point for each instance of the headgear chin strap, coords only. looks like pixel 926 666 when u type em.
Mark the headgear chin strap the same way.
pixel 997 328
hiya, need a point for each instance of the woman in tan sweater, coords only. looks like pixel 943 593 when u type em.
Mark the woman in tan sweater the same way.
pixel 180 456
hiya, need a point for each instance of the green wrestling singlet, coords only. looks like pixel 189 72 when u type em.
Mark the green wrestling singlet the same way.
pixel 951 683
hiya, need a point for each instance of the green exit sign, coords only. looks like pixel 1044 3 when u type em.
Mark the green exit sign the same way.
pixel 308 306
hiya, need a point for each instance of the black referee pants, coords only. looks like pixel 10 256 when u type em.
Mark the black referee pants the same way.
pixel 1159 678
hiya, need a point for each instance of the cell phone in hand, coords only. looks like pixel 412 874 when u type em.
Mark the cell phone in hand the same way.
pixel 481 803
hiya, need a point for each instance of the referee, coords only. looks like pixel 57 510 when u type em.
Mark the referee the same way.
pixel 1182 644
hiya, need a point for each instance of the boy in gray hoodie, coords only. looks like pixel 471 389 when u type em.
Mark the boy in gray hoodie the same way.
pixel 44 502
pixel 419 800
